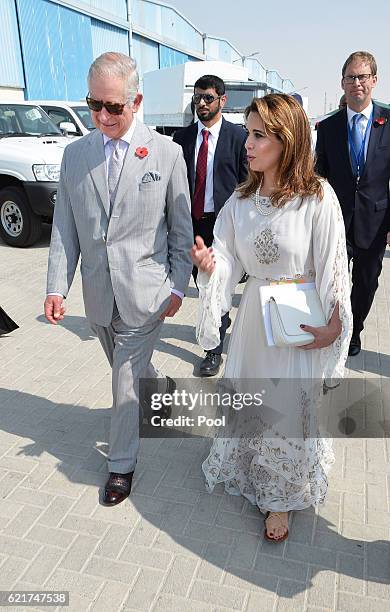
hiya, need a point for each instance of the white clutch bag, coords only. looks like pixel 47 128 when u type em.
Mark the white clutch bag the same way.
pixel 290 305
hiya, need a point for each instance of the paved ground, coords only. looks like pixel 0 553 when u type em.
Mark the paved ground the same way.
pixel 172 546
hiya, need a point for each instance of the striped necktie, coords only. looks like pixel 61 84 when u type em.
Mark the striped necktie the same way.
pixel 201 174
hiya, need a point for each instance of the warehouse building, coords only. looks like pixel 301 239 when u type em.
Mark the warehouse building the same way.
pixel 47 46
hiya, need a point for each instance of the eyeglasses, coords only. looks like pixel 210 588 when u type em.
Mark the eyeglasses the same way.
pixel 208 98
pixel 349 79
pixel 114 108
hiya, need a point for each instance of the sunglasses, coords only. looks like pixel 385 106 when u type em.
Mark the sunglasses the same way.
pixel 113 108
pixel 208 98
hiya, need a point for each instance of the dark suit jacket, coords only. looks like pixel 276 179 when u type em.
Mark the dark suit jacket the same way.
pixel 366 207
pixel 230 163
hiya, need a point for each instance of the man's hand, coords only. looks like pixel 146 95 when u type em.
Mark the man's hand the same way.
pixel 202 256
pixel 54 308
pixel 173 307
pixel 388 238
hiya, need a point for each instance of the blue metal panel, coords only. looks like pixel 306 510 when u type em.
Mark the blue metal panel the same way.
pixel 222 50
pixel 178 29
pixel 288 86
pixel 114 7
pixel 76 43
pixel 167 23
pixel 146 15
pixel 106 37
pixel 170 57
pixel 57 50
pixel 11 69
pixel 274 80
pixel 145 53
pixel 256 71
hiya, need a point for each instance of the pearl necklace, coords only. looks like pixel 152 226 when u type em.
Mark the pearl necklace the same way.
pixel 263 203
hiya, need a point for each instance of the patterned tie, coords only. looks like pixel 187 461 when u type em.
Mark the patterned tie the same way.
pixel 357 140
pixel 114 169
pixel 201 173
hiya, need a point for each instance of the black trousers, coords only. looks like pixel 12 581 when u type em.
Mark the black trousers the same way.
pixel 367 266
pixel 204 227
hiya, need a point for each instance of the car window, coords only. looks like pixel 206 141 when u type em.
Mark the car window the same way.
pixel 23 119
pixel 85 116
pixel 58 115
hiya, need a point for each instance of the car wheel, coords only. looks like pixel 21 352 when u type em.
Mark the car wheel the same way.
pixel 19 225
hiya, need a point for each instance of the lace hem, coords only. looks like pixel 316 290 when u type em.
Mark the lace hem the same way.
pixel 267 485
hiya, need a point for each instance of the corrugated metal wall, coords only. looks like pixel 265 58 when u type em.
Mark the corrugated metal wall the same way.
pixel 115 7
pixel 106 37
pixel 58 44
pixel 11 69
pixel 220 50
pixel 274 80
pixel 167 23
pixel 256 71
pixel 152 56
pixel 288 85
pixel 146 53
pixel 170 57
pixel 57 50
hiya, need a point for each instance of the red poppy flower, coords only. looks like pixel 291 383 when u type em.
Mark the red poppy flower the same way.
pixel 141 152
pixel 380 121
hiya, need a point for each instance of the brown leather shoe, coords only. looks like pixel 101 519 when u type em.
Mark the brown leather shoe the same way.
pixel 117 488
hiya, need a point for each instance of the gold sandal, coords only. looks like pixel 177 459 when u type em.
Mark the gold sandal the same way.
pixel 276 515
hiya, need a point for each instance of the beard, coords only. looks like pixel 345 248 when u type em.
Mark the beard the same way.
pixel 209 115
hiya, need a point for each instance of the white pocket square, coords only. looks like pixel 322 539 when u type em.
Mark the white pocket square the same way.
pixel 150 176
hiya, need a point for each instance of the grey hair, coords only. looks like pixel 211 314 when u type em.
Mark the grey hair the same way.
pixel 113 64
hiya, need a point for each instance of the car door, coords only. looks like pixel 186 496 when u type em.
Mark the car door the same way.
pixel 58 115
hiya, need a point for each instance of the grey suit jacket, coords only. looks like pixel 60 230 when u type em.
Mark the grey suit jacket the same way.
pixel 137 254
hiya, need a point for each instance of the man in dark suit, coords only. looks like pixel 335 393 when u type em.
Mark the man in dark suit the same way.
pixel 216 161
pixel 353 153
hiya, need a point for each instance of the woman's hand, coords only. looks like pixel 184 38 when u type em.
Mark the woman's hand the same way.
pixel 326 335
pixel 202 257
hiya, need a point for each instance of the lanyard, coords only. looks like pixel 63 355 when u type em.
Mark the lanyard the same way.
pixel 359 157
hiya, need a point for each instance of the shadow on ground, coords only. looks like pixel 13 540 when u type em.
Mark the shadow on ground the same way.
pixel 225 532
pixel 170 331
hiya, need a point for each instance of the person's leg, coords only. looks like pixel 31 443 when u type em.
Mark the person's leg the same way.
pixel 211 363
pixel 350 246
pixel 367 266
pixel 152 382
pixel 225 323
pixel 203 228
pixel 131 361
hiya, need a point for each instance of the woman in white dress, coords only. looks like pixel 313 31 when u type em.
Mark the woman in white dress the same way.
pixel 284 222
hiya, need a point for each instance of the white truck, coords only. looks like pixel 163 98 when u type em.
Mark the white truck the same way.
pixel 31 149
pixel 168 92
pixel 74 118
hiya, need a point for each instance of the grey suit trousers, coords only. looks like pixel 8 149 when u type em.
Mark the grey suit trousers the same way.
pixel 129 353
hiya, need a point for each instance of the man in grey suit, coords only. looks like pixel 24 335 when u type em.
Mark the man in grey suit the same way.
pixel 123 205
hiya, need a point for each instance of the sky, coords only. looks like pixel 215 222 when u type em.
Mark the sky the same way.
pixel 305 41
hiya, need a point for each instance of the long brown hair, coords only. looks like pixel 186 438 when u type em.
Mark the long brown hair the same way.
pixel 283 116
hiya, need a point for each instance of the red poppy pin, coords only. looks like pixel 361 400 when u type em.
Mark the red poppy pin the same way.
pixel 380 121
pixel 141 152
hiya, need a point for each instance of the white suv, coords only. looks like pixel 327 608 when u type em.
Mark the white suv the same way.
pixel 31 149
pixel 74 118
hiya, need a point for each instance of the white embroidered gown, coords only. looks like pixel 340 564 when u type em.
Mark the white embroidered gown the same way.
pixel 277 460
